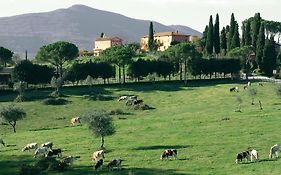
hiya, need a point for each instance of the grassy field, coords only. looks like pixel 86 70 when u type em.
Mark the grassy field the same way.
pixel 199 120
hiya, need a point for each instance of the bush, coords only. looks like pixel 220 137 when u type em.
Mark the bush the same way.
pixel 55 94
pixel 20 98
pixel 116 112
pixel 54 101
pixel 141 106
pixel 49 164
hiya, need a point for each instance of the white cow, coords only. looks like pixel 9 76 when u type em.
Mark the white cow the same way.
pixel 254 155
pixel 98 155
pixel 41 151
pixel 75 121
pixel 274 150
pixel 2 142
pixel 30 146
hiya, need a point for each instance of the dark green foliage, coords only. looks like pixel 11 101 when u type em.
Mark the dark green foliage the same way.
pixel 210 37
pixel 231 31
pixel 256 23
pixel 29 170
pixel 5 55
pixel 223 41
pixel 201 66
pixel 235 42
pixel 54 101
pixel 217 35
pixel 11 115
pixel 243 33
pixel 32 73
pixel 247 34
pixel 80 71
pixel 57 54
pixel 204 37
pixel 260 46
pixel 141 106
pixel 100 123
pixel 151 44
pixel 269 57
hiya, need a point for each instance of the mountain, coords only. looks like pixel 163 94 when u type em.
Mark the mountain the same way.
pixel 78 24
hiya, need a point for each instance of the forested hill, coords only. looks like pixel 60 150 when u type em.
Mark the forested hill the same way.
pixel 78 24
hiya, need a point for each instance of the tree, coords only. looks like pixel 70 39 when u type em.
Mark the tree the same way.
pixel 235 42
pixel 12 114
pixel 57 54
pixel 119 55
pixel 57 84
pixel 260 46
pixel 253 94
pixel 231 31
pixel 223 41
pixel 5 55
pixel 256 23
pixel 210 37
pixel 217 35
pixel 269 57
pixel 239 101
pixel 247 35
pixel 185 52
pixel 100 123
pixel 151 44
pixel 20 87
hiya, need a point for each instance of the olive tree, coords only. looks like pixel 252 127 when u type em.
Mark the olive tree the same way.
pixel 100 123
pixel 12 114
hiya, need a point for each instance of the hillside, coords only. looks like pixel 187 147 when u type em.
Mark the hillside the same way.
pixel 78 24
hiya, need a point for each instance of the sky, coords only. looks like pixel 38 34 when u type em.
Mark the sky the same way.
pixel 192 13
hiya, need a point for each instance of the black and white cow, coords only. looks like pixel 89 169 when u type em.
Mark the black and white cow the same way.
pixel 99 164
pixel 169 152
pixel 55 152
pixel 114 163
pixel 243 155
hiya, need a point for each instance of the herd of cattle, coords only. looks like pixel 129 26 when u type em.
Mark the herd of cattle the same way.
pixel 252 154
pixel 46 149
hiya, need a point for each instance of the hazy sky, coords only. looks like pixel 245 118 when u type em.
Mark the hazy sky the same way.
pixel 192 13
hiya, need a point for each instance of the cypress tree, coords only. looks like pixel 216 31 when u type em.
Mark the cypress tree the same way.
pixel 260 46
pixel 223 40
pixel 255 29
pixel 210 37
pixel 217 35
pixel 269 57
pixel 235 42
pixel 243 34
pixel 231 31
pixel 151 37
pixel 204 37
pixel 247 34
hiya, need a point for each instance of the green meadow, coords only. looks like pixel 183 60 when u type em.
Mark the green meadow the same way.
pixel 198 120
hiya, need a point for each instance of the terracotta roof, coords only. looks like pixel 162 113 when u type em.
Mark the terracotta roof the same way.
pixel 109 39
pixel 167 34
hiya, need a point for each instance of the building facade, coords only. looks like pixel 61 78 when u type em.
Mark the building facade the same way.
pixel 163 40
pixel 106 42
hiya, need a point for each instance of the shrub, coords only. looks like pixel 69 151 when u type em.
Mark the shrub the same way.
pixel 20 98
pixel 141 106
pixel 54 101
pixel 116 112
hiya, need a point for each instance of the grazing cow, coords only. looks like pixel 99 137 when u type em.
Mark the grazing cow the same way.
pixel 114 163
pixel 133 97
pixel 30 146
pixel 55 152
pixel 47 145
pixel 2 142
pixel 242 155
pixel 169 152
pixel 245 87
pixel 98 155
pixel 234 89
pixel 124 97
pixel 249 83
pixel 75 121
pixel 99 164
pixel 68 160
pixel 254 155
pixel 274 150
pixel 41 151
